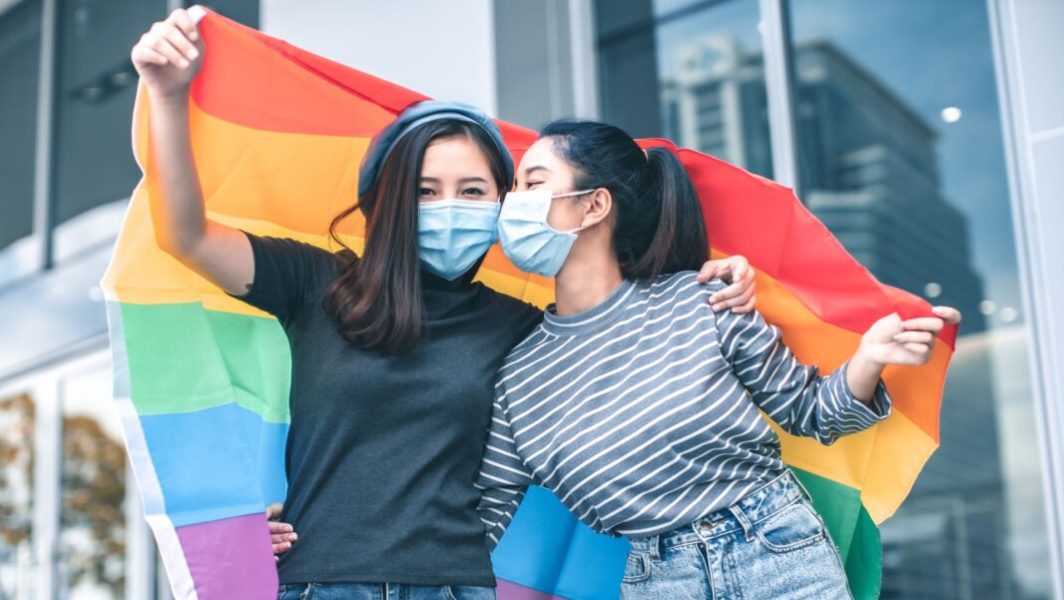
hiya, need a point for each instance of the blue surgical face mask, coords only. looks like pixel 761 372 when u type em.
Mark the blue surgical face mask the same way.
pixel 528 239
pixel 454 234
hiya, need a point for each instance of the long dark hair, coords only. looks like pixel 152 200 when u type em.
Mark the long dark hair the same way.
pixel 657 224
pixel 376 298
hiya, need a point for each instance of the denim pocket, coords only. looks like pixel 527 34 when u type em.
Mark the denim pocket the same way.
pixel 292 591
pixel 795 526
pixel 637 568
pixel 470 592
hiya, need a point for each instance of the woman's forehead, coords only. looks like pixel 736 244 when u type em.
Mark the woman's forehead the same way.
pixel 540 154
pixel 454 155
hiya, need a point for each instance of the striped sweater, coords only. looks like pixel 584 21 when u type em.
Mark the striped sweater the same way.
pixel 642 413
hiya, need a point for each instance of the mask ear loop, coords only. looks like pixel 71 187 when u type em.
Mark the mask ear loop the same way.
pixel 567 195
pixel 577 193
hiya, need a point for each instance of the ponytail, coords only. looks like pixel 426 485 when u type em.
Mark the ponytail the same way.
pixel 658 225
pixel 679 242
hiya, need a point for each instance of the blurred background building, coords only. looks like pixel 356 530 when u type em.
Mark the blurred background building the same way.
pixel 928 136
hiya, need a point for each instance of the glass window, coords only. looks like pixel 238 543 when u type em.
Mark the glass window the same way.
pixel 94 100
pixel 20 40
pixel 17 421
pixel 241 11
pixel 691 72
pixel 901 156
pixel 93 532
pixel 95 170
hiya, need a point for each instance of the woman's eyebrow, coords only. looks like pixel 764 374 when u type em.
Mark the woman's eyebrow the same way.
pixel 463 180
pixel 529 170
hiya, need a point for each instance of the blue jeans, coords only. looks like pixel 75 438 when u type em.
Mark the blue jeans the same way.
pixel 381 591
pixel 770 544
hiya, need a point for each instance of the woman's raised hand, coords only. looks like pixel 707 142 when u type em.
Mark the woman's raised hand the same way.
pixel 169 55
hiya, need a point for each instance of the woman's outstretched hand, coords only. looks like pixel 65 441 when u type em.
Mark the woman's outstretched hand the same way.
pixel 281 534
pixel 892 341
pixel 740 295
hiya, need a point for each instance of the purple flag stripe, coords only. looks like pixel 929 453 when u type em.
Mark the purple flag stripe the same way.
pixel 227 562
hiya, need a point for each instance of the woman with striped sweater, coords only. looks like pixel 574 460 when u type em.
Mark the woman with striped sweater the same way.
pixel 641 408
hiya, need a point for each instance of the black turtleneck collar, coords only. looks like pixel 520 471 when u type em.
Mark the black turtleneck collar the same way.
pixel 442 296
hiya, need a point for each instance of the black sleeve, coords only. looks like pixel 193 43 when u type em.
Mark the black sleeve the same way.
pixel 287 274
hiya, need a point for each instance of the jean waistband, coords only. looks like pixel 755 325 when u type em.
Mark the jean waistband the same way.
pixel 756 506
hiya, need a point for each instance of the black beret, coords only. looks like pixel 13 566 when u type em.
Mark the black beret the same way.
pixel 419 114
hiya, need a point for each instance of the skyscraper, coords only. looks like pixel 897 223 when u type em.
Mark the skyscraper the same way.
pixel 869 169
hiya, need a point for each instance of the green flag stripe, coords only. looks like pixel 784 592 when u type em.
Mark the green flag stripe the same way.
pixel 184 358
pixel 852 529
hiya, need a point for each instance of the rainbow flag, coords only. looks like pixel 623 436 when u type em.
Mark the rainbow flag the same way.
pixel 202 379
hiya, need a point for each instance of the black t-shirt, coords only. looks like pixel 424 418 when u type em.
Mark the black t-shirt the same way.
pixel 383 450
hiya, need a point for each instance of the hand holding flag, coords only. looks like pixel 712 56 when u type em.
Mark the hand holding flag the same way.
pixel 892 341
pixel 168 56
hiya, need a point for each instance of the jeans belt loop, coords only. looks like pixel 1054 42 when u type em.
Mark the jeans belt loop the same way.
pixel 744 522
pixel 655 548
